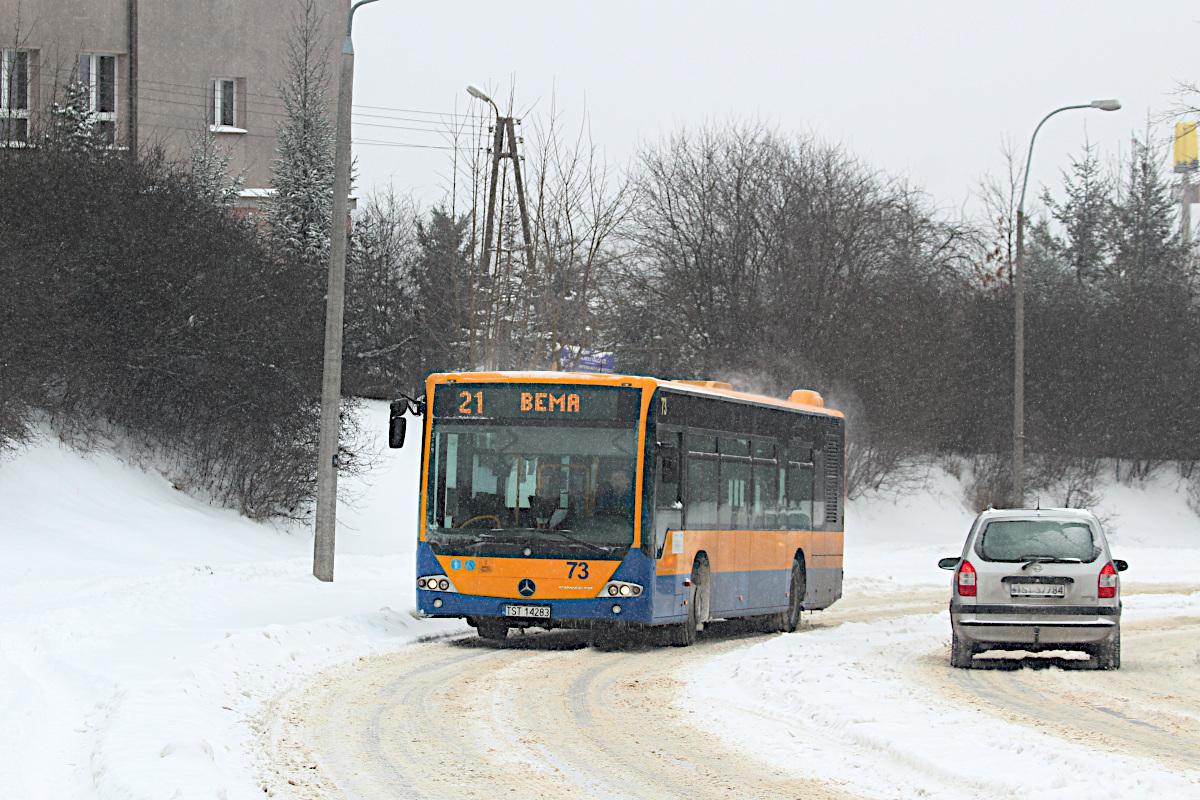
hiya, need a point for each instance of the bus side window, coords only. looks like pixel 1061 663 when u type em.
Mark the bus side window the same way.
pixel 735 484
pixel 702 484
pixel 800 486
pixel 766 488
pixel 800 496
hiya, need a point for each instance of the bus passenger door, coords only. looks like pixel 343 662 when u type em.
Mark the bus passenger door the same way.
pixel 668 524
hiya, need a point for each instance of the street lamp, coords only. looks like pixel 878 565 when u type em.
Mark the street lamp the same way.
pixel 331 376
pixel 479 95
pixel 1019 286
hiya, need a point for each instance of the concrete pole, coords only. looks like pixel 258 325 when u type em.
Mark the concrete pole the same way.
pixel 133 80
pixel 331 377
pixel 1018 459
pixel 1018 463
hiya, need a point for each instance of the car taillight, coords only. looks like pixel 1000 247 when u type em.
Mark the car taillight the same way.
pixel 966 579
pixel 1108 582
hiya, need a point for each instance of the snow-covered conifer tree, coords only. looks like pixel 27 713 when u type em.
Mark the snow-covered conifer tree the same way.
pixel 71 124
pixel 210 169
pixel 301 207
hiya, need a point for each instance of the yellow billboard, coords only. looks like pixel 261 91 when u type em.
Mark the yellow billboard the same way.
pixel 1186 158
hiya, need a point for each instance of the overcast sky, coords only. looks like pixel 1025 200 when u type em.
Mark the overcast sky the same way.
pixel 923 90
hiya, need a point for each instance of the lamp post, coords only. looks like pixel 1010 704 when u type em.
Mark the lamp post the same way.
pixel 479 95
pixel 497 146
pixel 331 376
pixel 1019 297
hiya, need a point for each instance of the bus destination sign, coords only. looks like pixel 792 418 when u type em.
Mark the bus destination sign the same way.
pixel 509 400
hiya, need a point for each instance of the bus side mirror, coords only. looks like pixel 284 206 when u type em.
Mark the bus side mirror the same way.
pixel 670 463
pixel 397 423
pixel 1120 565
pixel 948 563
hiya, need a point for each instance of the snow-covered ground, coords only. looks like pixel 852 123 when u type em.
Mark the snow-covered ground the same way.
pixel 142 632
pixel 895 542
pixel 851 705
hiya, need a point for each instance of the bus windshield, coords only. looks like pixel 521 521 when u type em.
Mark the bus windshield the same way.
pixel 549 490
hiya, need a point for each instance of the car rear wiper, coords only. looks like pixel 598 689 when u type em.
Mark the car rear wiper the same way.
pixel 1031 560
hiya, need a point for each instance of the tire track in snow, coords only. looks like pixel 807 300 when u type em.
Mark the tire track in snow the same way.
pixel 537 716
pixel 1149 708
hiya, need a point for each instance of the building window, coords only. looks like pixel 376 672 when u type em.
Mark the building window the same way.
pixel 99 74
pixel 14 95
pixel 224 112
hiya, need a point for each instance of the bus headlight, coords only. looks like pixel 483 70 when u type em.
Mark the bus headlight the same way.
pixel 620 589
pixel 436 583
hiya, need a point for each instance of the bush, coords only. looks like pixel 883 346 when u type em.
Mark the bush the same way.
pixel 133 304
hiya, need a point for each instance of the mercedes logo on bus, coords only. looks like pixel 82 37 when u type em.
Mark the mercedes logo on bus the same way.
pixel 526 587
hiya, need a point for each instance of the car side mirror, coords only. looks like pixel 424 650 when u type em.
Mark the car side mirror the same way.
pixel 1120 565
pixel 397 423
pixel 670 463
pixel 948 563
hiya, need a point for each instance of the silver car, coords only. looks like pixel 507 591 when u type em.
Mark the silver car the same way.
pixel 1036 580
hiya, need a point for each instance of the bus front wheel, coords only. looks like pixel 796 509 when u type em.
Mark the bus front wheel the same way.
pixel 684 634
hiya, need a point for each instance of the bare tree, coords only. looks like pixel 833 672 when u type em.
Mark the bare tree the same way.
pixel 999 196
pixel 514 312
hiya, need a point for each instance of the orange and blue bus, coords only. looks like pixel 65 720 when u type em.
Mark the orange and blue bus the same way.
pixel 624 503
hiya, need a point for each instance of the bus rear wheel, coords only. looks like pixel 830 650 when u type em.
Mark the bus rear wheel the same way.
pixel 495 630
pixel 797 588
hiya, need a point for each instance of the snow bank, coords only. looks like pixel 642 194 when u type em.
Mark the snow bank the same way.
pixel 144 630
pixel 894 542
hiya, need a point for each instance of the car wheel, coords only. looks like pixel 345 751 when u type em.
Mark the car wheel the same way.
pixel 495 630
pixel 1108 654
pixel 961 652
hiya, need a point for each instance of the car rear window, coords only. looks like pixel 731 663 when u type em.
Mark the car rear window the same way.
pixel 1022 539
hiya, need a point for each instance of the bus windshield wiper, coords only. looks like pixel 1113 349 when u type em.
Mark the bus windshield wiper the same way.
pixel 1030 560
pixel 523 534
pixel 572 538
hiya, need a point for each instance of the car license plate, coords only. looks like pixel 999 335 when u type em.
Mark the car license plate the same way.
pixel 1037 590
pixel 537 612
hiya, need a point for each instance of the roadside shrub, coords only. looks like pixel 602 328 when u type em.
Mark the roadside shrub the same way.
pixel 135 305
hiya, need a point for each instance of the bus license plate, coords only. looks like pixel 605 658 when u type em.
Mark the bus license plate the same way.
pixel 1038 590
pixel 537 612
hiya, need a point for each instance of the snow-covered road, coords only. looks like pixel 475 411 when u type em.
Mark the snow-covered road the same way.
pixel 861 702
pixel 875 706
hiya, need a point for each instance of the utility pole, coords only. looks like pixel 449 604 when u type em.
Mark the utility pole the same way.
pixel 133 80
pixel 331 376
pixel 505 130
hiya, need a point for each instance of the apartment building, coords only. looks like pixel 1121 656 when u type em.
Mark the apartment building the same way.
pixel 159 70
